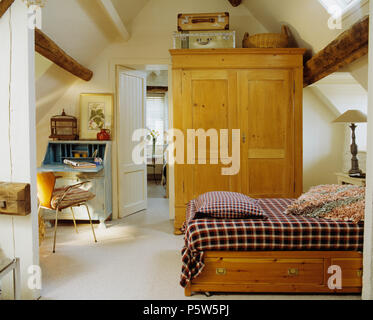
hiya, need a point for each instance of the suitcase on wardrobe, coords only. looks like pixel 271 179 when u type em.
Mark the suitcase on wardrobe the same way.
pixel 204 39
pixel 203 21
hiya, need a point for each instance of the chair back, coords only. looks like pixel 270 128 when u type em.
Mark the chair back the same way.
pixel 45 182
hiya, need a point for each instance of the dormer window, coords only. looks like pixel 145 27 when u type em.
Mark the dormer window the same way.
pixel 339 7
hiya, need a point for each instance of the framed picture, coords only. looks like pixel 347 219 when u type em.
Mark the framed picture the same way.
pixel 96 113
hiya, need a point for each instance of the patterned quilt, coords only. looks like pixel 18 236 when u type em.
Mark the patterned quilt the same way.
pixel 279 232
pixel 335 202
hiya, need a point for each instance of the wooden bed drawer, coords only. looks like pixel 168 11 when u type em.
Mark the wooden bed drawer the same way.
pixel 352 271
pixel 277 271
pixel 271 271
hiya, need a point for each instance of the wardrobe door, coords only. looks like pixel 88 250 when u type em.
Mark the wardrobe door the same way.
pixel 266 107
pixel 209 98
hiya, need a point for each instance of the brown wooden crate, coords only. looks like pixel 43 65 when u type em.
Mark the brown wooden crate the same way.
pixel 15 198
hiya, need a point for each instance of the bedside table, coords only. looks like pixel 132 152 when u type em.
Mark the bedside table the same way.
pixel 344 178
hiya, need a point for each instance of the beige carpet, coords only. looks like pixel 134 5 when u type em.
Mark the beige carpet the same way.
pixel 156 190
pixel 135 258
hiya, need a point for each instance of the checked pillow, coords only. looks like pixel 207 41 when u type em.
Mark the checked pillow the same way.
pixel 228 205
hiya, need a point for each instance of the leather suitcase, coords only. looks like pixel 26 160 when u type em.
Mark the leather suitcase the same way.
pixel 203 21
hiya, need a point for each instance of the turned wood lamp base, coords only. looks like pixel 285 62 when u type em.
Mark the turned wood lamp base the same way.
pixel 355 170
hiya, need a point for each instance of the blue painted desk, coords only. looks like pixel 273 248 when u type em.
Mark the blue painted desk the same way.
pixel 66 168
pixel 99 177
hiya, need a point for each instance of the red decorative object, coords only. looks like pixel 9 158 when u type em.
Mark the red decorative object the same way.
pixel 103 135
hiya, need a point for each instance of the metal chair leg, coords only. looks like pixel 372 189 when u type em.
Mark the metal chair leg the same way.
pixel 72 211
pixel 90 221
pixel 55 231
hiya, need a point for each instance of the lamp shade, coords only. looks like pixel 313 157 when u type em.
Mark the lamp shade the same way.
pixel 352 116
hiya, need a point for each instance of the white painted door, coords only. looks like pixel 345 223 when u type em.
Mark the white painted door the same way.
pixel 132 179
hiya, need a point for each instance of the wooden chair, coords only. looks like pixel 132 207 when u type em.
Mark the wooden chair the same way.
pixel 62 198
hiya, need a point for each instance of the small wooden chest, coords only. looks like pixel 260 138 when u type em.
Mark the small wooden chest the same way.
pixel 15 199
pixel 203 21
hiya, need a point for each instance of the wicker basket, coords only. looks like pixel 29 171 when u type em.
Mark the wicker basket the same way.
pixel 267 40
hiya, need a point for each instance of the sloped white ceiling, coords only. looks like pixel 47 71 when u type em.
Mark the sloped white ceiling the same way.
pixel 78 27
pixel 129 9
pixel 42 65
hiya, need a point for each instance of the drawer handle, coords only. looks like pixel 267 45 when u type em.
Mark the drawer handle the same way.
pixel 221 271
pixel 203 20
pixel 359 273
pixel 293 272
pixel 2 204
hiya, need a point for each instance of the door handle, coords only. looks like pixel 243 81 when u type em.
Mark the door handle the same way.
pixel 244 138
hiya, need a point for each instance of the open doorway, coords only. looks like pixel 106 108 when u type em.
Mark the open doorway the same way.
pixel 157 124
pixel 142 107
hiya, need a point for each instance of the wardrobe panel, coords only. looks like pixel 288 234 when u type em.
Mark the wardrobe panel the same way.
pixel 209 107
pixel 266 106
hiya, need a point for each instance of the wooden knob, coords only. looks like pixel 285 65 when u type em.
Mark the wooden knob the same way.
pixel 293 272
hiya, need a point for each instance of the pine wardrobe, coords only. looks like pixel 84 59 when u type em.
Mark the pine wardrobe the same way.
pixel 258 91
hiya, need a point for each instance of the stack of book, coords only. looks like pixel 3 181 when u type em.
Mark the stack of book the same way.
pixel 79 164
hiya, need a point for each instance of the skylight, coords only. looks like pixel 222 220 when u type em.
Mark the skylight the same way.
pixel 332 6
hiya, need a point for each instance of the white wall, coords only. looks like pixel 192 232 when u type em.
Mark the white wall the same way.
pixel 18 235
pixel 323 142
pixel 342 92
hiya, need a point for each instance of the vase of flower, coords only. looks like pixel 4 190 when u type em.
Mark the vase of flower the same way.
pixel 153 134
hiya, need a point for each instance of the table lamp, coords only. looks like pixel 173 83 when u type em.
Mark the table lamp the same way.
pixel 353 117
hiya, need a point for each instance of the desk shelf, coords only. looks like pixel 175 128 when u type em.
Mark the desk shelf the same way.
pixel 100 177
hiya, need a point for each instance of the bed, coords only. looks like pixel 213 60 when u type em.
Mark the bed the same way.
pixel 283 254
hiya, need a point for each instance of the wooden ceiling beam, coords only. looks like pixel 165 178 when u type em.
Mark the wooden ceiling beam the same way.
pixel 346 48
pixel 235 3
pixel 4 6
pixel 50 50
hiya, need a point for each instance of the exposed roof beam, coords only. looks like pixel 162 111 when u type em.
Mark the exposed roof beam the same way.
pixel 235 3
pixel 4 6
pixel 115 18
pixel 50 50
pixel 346 48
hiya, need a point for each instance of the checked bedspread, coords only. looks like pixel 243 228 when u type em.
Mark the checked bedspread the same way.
pixel 280 232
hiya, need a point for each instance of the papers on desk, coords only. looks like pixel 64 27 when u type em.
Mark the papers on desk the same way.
pixel 79 164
